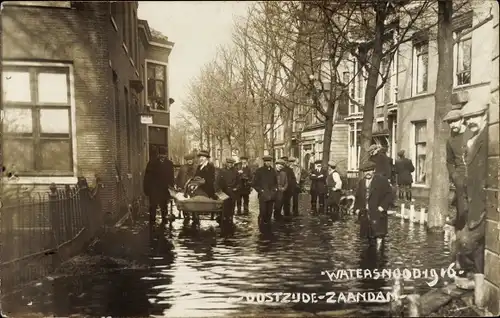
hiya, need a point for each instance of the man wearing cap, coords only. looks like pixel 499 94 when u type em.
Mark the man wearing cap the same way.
pixel 373 198
pixel 206 171
pixel 318 186
pixel 471 239
pixel 455 162
pixel 334 184
pixel 291 184
pixel 158 178
pixel 383 163
pixel 245 186
pixel 228 181
pixel 265 182
pixel 300 177
pixel 279 201
pixel 404 168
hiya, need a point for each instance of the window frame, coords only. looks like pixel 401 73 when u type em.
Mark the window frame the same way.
pixel 415 143
pixel 458 52
pixel 354 144
pixel 165 93
pixel 417 55
pixel 37 175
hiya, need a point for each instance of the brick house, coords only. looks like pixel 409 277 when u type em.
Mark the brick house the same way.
pixel 73 88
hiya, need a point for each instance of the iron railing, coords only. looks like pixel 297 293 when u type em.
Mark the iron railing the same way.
pixel 39 232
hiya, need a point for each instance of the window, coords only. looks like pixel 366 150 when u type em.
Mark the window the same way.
pixel 354 145
pixel 420 66
pixel 37 120
pixel 420 151
pixel 158 137
pixel 357 88
pixel 156 86
pixel 462 58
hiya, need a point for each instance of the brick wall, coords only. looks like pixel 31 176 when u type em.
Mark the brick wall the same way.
pixel 81 39
pixel 492 258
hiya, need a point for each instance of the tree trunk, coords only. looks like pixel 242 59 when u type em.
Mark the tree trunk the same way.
pixel 372 82
pixel 438 200
pixel 221 145
pixel 201 136
pixel 287 131
pixel 261 132
pixel 214 146
pixel 271 146
pixel 208 137
pixel 230 144
pixel 327 134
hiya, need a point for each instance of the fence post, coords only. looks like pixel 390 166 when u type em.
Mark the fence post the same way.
pixel 68 212
pixel 83 189
pixel 55 223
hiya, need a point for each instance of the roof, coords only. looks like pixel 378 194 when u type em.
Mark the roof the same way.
pixel 159 37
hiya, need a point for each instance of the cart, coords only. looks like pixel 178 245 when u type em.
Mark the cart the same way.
pixel 199 206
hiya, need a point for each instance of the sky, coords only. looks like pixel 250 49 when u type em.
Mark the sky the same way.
pixel 196 28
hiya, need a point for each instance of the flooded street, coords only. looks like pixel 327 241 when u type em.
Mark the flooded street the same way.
pixel 201 273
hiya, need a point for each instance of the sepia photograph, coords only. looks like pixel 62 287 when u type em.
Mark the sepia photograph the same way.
pixel 249 158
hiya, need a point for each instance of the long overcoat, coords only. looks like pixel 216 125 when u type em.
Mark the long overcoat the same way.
pixel 158 178
pixel 477 170
pixel 404 167
pixel 228 181
pixel 318 181
pixel 265 182
pixel 208 174
pixel 245 177
pixel 373 223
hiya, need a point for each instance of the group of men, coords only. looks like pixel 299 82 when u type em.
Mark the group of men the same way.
pixel 466 152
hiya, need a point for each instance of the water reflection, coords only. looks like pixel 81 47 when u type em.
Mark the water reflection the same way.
pixel 199 273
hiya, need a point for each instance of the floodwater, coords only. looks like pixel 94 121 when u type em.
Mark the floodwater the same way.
pixel 202 273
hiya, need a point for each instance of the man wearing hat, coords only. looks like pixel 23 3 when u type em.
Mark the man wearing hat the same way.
pixel 206 171
pixel 158 178
pixel 291 184
pixel 279 201
pixel 265 182
pixel 245 186
pixel 373 198
pixel 471 239
pixel 404 168
pixel 318 186
pixel 456 147
pixel 334 184
pixel 300 177
pixel 228 181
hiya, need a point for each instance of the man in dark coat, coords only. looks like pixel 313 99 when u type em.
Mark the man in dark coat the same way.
pixel 265 182
pixel 318 187
pixel 300 177
pixel 186 172
pixel 373 198
pixel 456 147
pixel 471 239
pixel 291 184
pixel 158 178
pixel 245 186
pixel 228 182
pixel 206 171
pixel 334 185
pixel 404 168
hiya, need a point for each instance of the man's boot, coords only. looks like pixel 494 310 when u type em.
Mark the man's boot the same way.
pixel 408 195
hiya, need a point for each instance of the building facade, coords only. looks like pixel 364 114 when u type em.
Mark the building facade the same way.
pixel 417 75
pixel 72 102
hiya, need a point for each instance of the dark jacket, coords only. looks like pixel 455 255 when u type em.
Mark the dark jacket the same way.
pixel 158 178
pixel 245 177
pixel 318 181
pixel 228 181
pixel 372 221
pixel 185 173
pixel 403 168
pixel 265 182
pixel 456 147
pixel 383 164
pixel 291 180
pixel 208 174
pixel 477 171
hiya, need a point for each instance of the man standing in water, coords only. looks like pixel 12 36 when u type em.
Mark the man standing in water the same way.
pixel 265 182
pixel 245 187
pixel 158 178
pixel 300 177
pixel 373 198
pixel 471 239
pixel 290 189
pixel 455 163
